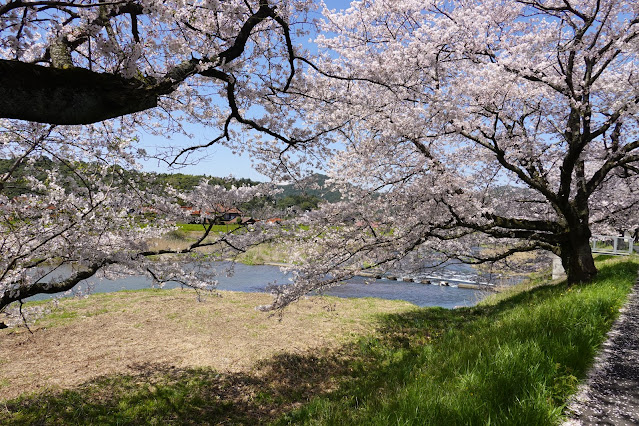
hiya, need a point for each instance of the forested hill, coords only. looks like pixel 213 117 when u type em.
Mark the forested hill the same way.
pixel 292 195
pixel 314 186
pixel 306 196
pixel 41 166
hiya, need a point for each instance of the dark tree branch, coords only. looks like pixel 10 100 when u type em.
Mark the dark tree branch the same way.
pixel 16 4
pixel 68 96
pixel 617 158
pixel 527 224
pixel 79 96
pixel 51 288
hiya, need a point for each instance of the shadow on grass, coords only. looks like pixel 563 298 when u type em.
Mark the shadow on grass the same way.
pixel 419 326
pixel 159 394
pixel 512 362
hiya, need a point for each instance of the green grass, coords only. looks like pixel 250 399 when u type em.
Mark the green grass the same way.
pixel 176 399
pixel 189 227
pixel 165 395
pixel 513 361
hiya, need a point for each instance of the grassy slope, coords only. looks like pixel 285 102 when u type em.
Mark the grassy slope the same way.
pixel 257 255
pixel 508 361
pixel 514 361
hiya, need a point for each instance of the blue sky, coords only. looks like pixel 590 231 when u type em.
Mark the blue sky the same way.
pixel 218 160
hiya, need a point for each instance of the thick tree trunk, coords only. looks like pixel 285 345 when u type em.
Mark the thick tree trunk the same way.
pixel 576 257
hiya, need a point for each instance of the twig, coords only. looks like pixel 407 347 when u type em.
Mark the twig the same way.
pixel 26 324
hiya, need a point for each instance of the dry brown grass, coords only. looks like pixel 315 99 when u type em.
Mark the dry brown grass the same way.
pixel 181 240
pixel 108 334
pixel 266 253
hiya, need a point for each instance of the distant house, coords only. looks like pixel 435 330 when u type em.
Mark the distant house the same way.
pixel 248 220
pixel 229 214
pixel 194 215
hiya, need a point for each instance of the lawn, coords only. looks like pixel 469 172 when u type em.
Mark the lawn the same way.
pixel 515 359
pixel 198 227
pixel 512 360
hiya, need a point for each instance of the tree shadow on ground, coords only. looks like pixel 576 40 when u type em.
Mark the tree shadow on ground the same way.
pixel 163 394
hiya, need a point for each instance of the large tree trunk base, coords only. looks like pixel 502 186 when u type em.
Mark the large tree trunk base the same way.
pixel 578 262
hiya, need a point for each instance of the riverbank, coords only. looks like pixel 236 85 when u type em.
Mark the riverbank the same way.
pixel 115 333
pixel 263 254
pixel 278 254
pixel 514 359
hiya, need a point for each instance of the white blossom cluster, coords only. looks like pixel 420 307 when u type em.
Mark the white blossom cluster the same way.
pixel 77 214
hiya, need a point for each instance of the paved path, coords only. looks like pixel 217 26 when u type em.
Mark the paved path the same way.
pixel 611 395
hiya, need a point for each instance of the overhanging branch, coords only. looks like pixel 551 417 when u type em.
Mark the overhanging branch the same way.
pixel 69 96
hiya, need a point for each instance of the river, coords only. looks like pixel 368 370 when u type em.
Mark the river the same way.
pixel 255 278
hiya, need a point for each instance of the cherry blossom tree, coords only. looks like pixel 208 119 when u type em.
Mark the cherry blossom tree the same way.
pixel 79 62
pixel 96 73
pixel 93 219
pixel 450 126
pixel 227 65
pixel 467 125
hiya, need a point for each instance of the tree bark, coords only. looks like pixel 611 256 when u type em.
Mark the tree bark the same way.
pixel 51 288
pixel 576 257
pixel 69 96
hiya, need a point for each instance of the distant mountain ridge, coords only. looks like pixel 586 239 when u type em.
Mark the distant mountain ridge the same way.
pixel 304 197
pixel 314 186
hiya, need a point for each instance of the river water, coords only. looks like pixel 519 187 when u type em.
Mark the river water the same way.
pixel 256 278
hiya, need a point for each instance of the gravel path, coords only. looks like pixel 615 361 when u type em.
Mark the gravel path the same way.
pixel 611 395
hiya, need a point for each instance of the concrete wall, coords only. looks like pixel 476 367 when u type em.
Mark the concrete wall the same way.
pixel 557 267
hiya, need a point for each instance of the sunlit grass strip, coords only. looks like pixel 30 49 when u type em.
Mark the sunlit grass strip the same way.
pixel 198 227
pixel 514 362
pixel 126 400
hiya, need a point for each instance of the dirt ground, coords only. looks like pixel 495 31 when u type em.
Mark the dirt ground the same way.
pixel 82 339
